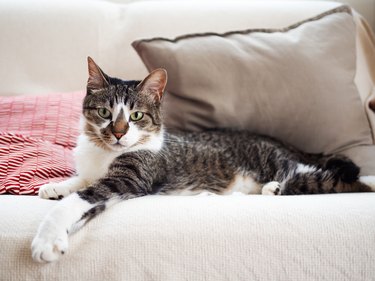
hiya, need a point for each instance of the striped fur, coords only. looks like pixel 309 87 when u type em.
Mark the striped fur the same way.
pixel 144 159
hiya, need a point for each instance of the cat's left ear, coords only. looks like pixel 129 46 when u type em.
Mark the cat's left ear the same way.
pixel 154 83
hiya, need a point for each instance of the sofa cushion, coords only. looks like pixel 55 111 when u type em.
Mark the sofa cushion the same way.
pixel 53 117
pixel 295 84
pixel 27 163
pixel 37 135
pixel 212 238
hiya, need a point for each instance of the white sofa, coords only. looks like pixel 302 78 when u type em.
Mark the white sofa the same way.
pixel 323 237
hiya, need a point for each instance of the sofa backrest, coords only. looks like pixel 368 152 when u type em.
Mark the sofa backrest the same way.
pixel 45 43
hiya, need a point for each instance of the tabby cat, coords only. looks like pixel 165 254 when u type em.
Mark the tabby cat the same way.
pixel 124 152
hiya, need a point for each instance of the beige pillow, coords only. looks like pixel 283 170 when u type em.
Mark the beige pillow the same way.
pixel 295 84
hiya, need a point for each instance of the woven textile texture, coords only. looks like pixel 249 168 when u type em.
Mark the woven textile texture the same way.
pixel 37 135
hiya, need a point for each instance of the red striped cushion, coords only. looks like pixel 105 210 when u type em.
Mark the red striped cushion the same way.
pixel 37 135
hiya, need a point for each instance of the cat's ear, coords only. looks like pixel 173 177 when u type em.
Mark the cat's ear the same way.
pixel 154 83
pixel 97 78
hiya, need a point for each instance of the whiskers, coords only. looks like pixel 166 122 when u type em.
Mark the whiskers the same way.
pixel 96 139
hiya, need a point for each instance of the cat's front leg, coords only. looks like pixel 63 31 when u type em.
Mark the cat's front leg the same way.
pixel 129 176
pixel 51 240
pixel 72 212
pixel 62 189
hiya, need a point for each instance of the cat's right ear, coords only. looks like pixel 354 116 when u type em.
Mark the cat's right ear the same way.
pixel 97 78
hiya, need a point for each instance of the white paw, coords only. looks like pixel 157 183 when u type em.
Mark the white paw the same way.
pixel 271 188
pixel 54 191
pixel 49 247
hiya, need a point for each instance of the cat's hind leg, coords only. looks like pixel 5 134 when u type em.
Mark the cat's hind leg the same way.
pixel 272 188
pixel 309 182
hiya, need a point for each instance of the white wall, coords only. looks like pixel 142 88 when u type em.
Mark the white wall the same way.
pixel 364 7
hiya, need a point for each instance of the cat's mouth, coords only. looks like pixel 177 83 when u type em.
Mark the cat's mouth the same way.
pixel 118 145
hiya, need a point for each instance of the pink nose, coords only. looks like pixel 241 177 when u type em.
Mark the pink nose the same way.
pixel 118 135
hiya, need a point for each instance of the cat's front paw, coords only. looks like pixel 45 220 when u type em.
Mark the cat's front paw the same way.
pixel 54 191
pixel 49 247
pixel 271 188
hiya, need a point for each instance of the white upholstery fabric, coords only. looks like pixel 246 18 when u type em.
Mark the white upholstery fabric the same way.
pixel 55 37
pixel 43 48
pixel 321 237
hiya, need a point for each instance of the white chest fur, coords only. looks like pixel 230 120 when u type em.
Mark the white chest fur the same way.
pixel 91 161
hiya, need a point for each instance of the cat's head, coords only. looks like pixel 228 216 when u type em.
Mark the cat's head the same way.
pixel 123 115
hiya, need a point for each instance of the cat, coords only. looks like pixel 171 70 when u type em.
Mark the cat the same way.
pixel 124 152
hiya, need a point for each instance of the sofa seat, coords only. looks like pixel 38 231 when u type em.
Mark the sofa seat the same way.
pixel 254 237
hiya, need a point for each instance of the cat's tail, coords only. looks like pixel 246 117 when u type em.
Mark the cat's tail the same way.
pixel 348 173
pixel 341 166
pixel 321 182
pixel 333 174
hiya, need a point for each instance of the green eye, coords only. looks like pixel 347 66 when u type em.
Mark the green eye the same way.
pixel 136 116
pixel 104 113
